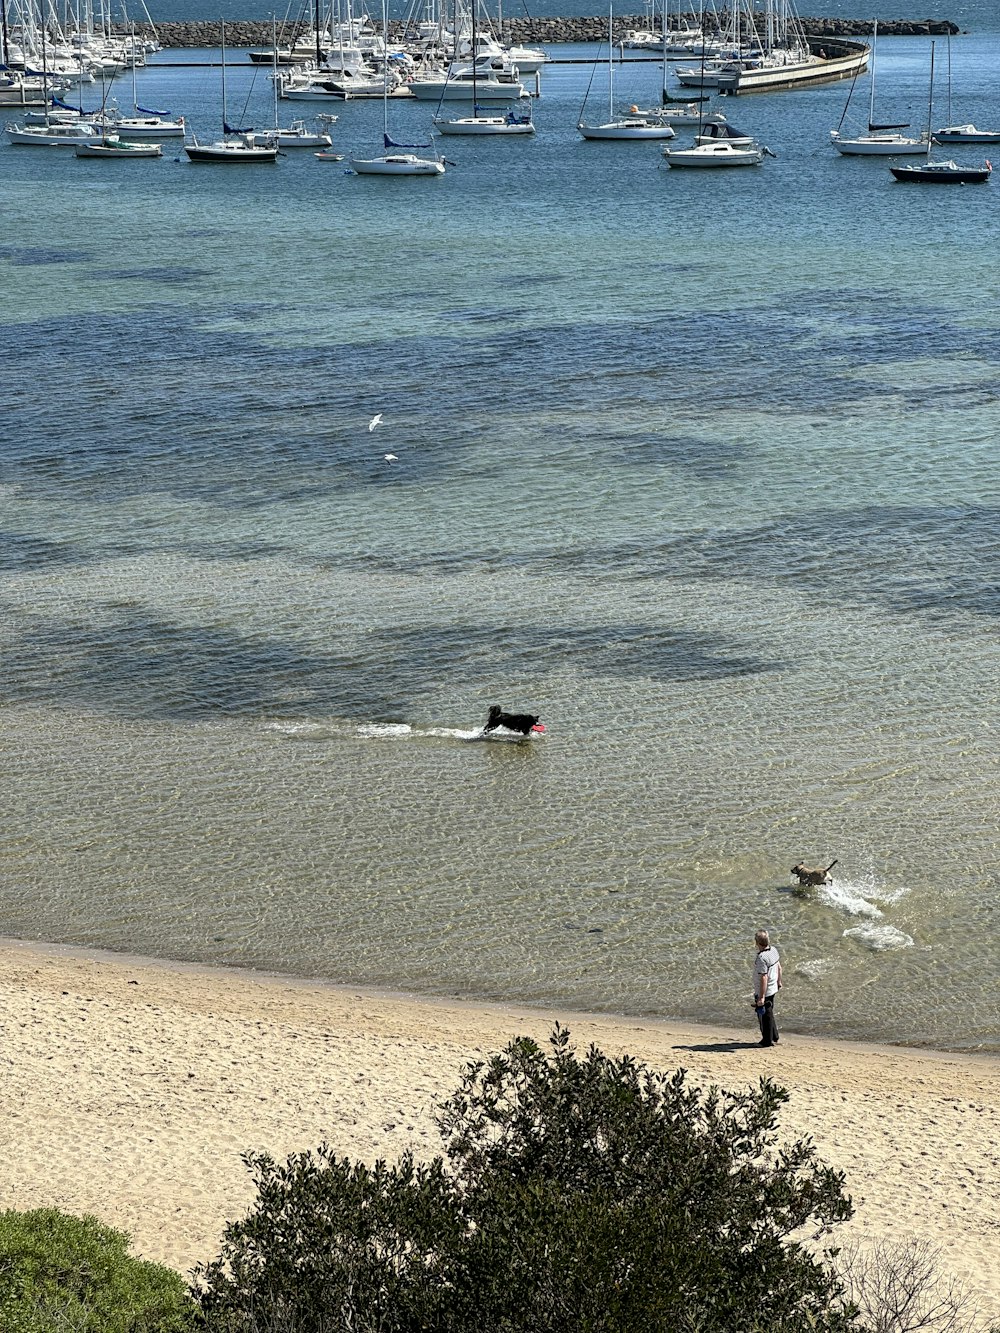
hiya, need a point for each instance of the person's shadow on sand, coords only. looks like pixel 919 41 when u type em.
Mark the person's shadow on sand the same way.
pixel 720 1047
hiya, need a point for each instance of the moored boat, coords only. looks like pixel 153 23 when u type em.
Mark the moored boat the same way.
pixel 943 173
pixel 112 147
pixel 718 154
pixel 965 134
pixel 48 136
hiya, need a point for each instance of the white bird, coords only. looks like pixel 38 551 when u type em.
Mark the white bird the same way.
pixel 390 458
pixel 374 421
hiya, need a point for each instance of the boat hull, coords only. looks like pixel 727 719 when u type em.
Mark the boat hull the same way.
pixel 627 129
pixel 878 145
pixel 397 164
pixel 230 153
pixel 486 94
pixel 966 134
pixel 709 156
pixel 118 149
pixel 65 136
pixel 148 132
pixel 942 173
pixel 483 125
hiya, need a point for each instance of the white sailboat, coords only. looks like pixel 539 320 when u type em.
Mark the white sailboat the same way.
pixel 396 160
pixel 237 146
pixel 511 122
pixel 880 140
pixel 621 127
pixel 145 125
pixel 297 134
pixel 962 133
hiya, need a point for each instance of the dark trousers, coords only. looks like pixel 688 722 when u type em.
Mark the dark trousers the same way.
pixel 768 1027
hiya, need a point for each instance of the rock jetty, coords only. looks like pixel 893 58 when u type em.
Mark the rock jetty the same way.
pixel 541 31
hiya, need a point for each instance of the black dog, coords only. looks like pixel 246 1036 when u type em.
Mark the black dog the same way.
pixel 522 722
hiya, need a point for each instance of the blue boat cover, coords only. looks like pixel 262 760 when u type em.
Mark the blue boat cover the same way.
pixel 391 143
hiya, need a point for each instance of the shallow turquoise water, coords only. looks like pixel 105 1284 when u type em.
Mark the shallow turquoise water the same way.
pixel 702 470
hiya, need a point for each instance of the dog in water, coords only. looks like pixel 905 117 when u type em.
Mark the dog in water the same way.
pixel 812 876
pixel 521 722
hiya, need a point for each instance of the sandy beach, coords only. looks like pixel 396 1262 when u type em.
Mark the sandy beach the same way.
pixel 129 1089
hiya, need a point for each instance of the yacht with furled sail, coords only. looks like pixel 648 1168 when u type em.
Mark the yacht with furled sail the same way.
pixel 510 122
pixel 629 126
pixel 236 145
pixel 951 133
pixel 397 159
pixel 942 172
pixel 879 140
pixel 297 134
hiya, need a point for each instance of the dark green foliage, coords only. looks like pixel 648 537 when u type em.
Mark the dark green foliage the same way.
pixel 64 1274
pixel 574 1195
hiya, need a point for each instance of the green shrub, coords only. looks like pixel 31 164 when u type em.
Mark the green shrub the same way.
pixel 64 1274
pixel 574 1195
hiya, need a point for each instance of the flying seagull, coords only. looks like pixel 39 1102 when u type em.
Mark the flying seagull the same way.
pixel 376 419
pixel 390 458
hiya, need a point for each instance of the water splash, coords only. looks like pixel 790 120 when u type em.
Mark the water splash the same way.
pixel 815 968
pixel 879 939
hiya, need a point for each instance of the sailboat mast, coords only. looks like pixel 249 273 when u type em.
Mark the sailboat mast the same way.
pixel 871 94
pixel 930 106
pixel 611 63
pixel 385 76
pixel 475 63
pixel 225 116
pixel 274 72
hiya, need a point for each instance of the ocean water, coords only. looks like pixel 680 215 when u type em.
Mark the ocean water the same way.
pixel 700 468
pixel 971 15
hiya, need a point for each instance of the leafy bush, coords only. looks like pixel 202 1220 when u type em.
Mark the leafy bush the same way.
pixel 64 1274
pixel 573 1195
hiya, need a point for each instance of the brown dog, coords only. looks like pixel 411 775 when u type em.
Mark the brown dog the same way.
pixel 811 876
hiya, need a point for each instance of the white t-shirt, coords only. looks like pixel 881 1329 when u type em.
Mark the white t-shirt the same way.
pixel 767 965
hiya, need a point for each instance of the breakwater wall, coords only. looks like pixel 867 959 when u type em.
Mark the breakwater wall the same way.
pixel 544 32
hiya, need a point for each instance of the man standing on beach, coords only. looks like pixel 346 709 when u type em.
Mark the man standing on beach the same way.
pixel 767 983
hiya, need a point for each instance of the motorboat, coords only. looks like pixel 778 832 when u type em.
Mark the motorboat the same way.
pixel 496 83
pixel 642 39
pixel 721 153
